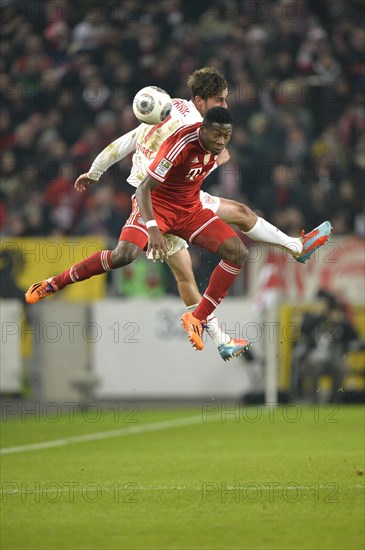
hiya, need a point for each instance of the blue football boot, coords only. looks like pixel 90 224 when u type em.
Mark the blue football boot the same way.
pixel 233 348
pixel 313 240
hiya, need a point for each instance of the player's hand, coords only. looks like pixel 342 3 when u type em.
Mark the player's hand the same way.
pixel 157 244
pixel 83 182
pixel 223 157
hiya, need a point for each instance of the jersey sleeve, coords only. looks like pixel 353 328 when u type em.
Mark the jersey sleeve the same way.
pixel 114 152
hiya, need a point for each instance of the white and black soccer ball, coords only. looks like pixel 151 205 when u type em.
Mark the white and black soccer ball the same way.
pixel 152 105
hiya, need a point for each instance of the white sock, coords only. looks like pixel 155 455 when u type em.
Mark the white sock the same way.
pixel 215 332
pixel 213 329
pixel 264 232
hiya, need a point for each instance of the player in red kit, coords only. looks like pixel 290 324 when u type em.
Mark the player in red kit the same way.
pixel 208 89
pixel 168 201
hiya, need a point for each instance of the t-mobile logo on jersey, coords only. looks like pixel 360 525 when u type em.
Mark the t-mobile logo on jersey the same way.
pixel 193 172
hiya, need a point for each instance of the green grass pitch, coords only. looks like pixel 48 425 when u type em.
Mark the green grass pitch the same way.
pixel 214 478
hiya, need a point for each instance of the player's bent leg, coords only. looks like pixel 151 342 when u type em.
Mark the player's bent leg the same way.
pixel 215 236
pixel 100 262
pixel 182 269
pixel 233 250
pixel 236 213
pixel 181 266
pixel 133 238
pixel 258 229
pixel 124 254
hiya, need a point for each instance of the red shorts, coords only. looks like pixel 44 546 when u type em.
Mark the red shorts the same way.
pixel 198 226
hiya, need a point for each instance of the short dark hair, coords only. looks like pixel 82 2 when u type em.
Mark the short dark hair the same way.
pixel 206 82
pixel 217 114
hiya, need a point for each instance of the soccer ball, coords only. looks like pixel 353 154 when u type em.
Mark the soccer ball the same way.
pixel 152 105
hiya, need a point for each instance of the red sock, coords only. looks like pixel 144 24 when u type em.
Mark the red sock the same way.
pixel 220 281
pixel 96 264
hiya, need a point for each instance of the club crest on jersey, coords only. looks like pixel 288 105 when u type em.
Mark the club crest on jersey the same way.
pixel 208 199
pixel 163 167
pixel 206 159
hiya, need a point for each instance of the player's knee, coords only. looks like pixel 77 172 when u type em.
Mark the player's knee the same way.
pixel 242 253
pixel 181 267
pixel 185 275
pixel 233 250
pixel 246 218
pixel 125 253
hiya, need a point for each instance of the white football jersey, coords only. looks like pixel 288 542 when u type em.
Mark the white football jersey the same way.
pixel 145 140
pixel 186 110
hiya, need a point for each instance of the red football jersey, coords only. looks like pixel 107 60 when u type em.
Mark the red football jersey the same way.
pixel 181 165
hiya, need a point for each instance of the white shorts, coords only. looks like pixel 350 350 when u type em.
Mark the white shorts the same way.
pixel 209 201
pixel 176 243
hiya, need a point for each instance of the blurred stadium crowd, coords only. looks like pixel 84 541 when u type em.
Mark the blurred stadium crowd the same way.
pixel 69 71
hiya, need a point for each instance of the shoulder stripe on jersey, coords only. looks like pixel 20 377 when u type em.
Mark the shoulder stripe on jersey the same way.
pixel 183 144
pixel 182 127
pixel 171 158
pixel 180 144
pixel 183 138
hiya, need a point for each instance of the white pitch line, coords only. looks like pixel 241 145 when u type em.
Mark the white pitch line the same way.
pixel 152 427
pixel 263 487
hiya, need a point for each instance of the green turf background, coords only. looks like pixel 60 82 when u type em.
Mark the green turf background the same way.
pixel 254 478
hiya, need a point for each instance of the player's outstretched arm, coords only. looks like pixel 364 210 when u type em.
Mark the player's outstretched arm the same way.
pixel 83 182
pixel 157 244
pixel 113 153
